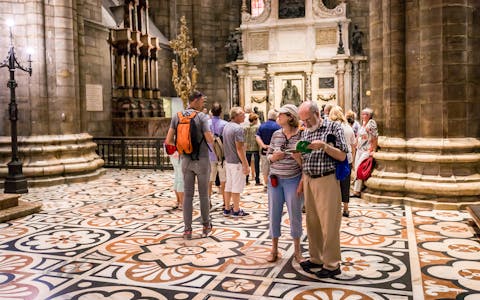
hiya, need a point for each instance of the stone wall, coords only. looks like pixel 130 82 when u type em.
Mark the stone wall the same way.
pixel 95 68
pixel 210 23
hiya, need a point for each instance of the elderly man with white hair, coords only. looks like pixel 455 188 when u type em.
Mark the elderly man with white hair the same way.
pixel 321 189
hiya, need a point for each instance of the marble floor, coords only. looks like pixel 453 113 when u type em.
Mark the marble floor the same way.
pixel 119 238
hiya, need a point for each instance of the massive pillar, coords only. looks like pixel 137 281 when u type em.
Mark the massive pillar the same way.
pixel 428 100
pixel 52 142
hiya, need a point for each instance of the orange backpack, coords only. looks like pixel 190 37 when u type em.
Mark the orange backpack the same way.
pixel 186 136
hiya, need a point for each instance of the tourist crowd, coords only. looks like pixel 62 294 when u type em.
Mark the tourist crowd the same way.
pixel 296 152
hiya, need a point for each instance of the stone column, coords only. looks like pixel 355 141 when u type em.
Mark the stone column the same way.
pixel 341 83
pixel 432 155
pixel 270 90
pixel 348 86
pixel 308 86
pixel 241 90
pixel 356 87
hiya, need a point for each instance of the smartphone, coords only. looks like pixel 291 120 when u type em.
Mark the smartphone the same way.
pixel 331 139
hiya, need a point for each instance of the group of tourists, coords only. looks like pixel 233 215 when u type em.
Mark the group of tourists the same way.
pixel 302 179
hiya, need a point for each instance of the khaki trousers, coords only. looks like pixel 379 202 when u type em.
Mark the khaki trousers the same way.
pixel 323 204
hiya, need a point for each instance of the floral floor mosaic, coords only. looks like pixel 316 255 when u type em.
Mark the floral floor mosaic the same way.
pixel 119 238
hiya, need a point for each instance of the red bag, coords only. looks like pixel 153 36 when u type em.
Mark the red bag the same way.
pixel 365 168
pixel 170 149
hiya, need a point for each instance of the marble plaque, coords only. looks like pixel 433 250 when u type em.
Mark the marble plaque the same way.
pixel 94 97
pixel 326 36
pixel 258 41
pixel 259 85
pixel 326 82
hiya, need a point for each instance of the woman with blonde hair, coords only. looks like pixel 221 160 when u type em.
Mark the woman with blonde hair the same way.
pixel 336 115
pixel 252 147
pixel 366 144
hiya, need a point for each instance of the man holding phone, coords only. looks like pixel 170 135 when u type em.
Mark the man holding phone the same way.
pixel 322 190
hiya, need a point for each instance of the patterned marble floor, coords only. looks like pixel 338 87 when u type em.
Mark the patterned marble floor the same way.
pixel 119 238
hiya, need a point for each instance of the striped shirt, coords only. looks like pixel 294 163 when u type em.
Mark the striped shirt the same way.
pixel 286 167
pixel 318 162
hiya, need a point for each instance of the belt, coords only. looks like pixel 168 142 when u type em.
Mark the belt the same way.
pixel 323 174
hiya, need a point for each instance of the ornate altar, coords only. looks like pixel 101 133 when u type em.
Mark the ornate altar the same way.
pixel 298 48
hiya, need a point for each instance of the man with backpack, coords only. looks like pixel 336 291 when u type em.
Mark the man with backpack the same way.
pixel 217 156
pixel 190 133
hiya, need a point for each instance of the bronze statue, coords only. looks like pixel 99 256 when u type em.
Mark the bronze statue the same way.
pixel 290 94
pixel 357 47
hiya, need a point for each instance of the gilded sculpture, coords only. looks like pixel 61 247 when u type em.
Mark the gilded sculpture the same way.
pixel 186 81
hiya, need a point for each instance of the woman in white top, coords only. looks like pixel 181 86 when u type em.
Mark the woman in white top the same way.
pixel 366 144
pixel 336 115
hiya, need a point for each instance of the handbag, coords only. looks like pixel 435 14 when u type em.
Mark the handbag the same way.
pixel 342 169
pixel 365 168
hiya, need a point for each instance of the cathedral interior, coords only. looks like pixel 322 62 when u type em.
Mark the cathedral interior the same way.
pixel 89 90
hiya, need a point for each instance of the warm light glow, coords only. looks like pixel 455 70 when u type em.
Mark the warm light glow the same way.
pixel 10 23
pixel 30 50
pixel 257 7
pixel 368 93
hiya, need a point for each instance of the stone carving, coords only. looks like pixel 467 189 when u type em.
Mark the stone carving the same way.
pixel 326 36
pixel 357 36
pixel 258 99
pixel 329 97
pixel 258 41
pixel 320 10
pixel 289 9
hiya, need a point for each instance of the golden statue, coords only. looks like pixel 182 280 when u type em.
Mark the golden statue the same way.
pixel 183 48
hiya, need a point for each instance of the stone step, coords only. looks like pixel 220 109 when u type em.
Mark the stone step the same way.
pixel 8 200
pixel 23 209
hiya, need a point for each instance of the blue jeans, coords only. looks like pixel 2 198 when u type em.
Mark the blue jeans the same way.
pixel 285 192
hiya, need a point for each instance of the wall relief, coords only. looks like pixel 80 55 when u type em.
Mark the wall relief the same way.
pixel 258 41
pixel 319 9
pixel 326 36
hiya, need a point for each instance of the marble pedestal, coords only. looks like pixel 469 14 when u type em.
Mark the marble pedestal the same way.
pixel 53 159
pixel 438 173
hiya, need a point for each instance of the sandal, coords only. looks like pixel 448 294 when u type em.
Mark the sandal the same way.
pixel 273 257
pixel 298 258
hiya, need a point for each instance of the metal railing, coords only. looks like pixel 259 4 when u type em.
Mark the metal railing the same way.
pixel 133 152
